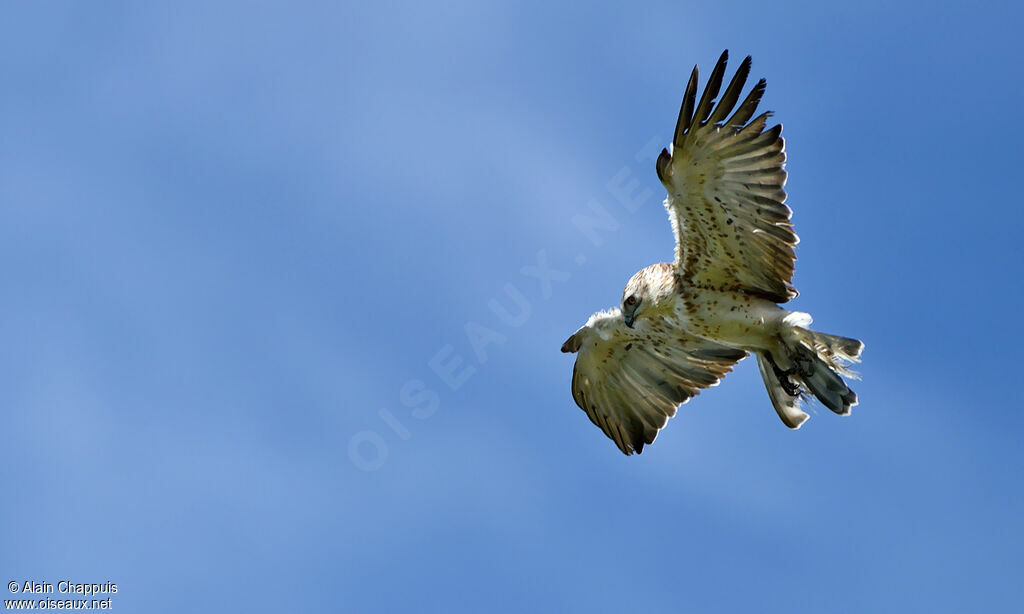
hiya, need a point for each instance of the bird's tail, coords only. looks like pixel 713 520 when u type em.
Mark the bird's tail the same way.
pixel 809 363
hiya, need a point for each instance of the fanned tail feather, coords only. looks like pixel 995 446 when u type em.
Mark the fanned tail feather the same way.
pixel 815 364
pixel 837 351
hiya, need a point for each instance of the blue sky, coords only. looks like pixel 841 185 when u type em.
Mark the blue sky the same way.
pixel 244 242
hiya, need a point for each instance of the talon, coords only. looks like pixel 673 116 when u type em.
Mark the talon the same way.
pixel 791 389
pixel 787 384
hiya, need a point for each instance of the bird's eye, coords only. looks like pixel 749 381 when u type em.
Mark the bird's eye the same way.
pixel 631 301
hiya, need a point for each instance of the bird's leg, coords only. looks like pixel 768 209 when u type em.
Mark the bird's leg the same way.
pixel 787 384
pixel 791 388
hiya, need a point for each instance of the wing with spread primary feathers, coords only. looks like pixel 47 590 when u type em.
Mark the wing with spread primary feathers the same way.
pixel 631 380
pixel 725 179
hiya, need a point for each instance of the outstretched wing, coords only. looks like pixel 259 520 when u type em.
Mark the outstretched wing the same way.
pixel 631 380
pixel 725 179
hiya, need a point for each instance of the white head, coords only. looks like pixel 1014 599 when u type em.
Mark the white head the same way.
pixel 645 290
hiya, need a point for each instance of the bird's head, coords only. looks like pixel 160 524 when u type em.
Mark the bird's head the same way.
pixel 634 298
pixel 645 290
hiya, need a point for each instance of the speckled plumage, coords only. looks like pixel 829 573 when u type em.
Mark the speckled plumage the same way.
pixel 682 325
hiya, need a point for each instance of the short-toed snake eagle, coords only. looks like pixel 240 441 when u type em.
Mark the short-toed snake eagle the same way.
pixel 682 326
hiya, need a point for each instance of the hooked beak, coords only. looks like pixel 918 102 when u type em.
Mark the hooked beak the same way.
pixel 628 319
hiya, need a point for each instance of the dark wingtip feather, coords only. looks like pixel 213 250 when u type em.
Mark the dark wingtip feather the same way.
pixel 686 110
pixel 732 92
pixel 663 164
pixel 775 132
pixel 749 105
pixel 707 101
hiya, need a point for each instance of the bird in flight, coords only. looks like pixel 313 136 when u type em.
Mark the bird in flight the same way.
pixel 681 326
